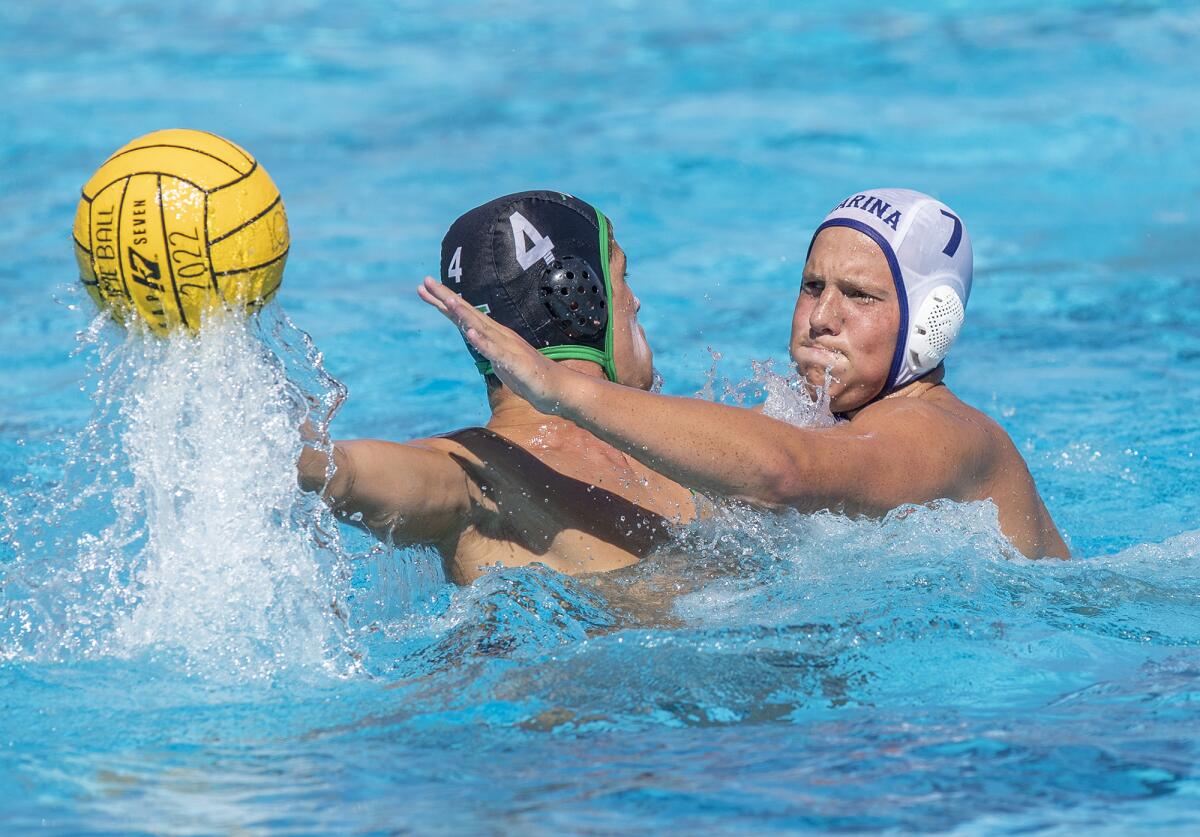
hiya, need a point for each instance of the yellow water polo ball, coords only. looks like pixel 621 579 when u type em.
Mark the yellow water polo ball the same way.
pixel 177 224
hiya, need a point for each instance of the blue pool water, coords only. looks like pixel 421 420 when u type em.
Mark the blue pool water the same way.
pixel 187 646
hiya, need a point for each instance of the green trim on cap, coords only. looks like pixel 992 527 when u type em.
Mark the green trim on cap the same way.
pixel 609 364
pixel 557 353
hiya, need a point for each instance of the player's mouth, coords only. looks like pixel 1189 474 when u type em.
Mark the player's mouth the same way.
pixel 817 354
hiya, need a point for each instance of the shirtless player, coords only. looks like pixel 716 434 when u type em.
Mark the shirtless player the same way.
pixel 881 300
pixel 526 486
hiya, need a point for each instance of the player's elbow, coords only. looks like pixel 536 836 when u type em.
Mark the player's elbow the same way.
pixel 337 484
pixel 781 483
pixel 311 469
pixel 800 481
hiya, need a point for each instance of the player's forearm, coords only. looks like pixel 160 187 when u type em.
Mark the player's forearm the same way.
pixel 713 448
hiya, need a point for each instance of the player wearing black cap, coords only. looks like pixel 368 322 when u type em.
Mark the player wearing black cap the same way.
pixel 526 486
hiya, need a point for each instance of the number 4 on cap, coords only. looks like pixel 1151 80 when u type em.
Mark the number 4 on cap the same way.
pixel 540 246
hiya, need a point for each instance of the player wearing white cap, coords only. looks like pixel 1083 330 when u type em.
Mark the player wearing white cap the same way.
pixel 882 300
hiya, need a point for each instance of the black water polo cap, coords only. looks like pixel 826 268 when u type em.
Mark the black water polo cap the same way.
pixel 538 263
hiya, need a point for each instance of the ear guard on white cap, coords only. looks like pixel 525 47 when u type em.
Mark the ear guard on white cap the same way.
pixel 935 327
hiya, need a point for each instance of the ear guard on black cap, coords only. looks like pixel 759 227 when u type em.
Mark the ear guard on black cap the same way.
pixel 574 295
pixel 538 263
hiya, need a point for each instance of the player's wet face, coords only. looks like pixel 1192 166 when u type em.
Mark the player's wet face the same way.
pixel 631 352
pixel 847 318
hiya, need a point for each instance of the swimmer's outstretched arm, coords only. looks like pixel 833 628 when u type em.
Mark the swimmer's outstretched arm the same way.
pixel 403 493
pixel 871 467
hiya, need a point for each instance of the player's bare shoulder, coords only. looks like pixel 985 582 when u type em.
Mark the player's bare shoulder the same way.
pixel 961 442
pixel 983 430
pixel 931 412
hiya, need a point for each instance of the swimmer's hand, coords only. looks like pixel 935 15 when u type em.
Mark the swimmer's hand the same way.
pixel 519 366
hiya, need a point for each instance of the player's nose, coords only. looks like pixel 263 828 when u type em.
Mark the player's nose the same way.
pixel 825 317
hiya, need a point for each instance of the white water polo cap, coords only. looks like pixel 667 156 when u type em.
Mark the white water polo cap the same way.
pixel 929 253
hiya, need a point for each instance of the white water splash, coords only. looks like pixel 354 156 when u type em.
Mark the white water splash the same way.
pixel 212 441
pixel 788 398
pixel 179 506
pixel 784 397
